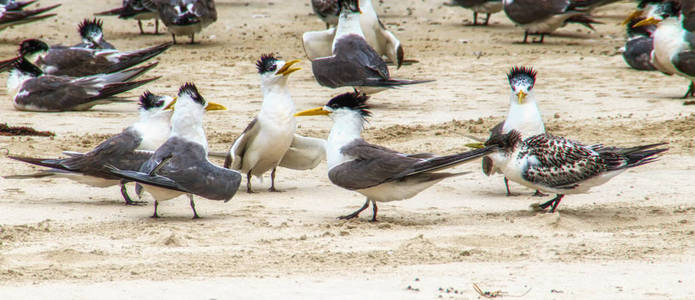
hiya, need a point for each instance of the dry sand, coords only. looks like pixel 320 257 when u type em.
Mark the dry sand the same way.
pixel 630 238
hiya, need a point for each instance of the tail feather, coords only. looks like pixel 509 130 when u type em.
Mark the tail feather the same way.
pixel 23 20
pixel 631 157
pixel 120 87
pixel 19 5
pixel 132 58
pixel 20 14
pixel 144 178
pixel 113 12
pixel 43 162
pixel 444 162
pixel 392 82
pixel 128 75
pixel 583 20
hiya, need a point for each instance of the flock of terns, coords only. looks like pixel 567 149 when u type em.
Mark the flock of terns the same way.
pixel 166 152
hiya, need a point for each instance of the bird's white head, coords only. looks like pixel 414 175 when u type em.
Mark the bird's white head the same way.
pixel 521 81
pixel 348 109
pixel 274 71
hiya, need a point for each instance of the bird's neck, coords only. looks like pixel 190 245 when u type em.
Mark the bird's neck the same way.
pixel 277 102
pixel 15 81
pixel 348 23
pixel 154 128
pixel 189 125
pixel 367 8
pixel 526 118
pixel 669 39
pixel 347 126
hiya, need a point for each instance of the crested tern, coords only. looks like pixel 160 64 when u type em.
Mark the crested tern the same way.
pixel 127 150
pixel 376 172
pixel 184 17
pixel 78 62
pixel 31 90
pixel 561 166
pixel 181 165
pixel 264 142
pixel 674 40
pixel 488 7
pixel 92 35
pixel 134 9
pixel 541 17
pixel 354 63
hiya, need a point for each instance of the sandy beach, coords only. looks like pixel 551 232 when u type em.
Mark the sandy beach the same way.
pixel 632 238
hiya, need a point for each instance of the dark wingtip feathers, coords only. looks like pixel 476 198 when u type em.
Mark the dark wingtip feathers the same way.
pixel 355 101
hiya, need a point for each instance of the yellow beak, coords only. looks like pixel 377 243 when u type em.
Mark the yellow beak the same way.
pixel 215 106
pixel 521 96
pixel 319 111
pixel 631 17
pixel 645 22
pixel 171 105
pixel 286 70
pixel 475 145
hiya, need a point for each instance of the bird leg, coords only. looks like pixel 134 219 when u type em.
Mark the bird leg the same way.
pixel 272 182
pixel 374 210
pixel 156 26
pixel 475 18
pixel 691 91
pixel 140 25
pixel 248 183
pixel 156 203
pixel 539 194
pixel 541 40
pixel 357 212
pixel 192 39
pixel 195 213
pixel 525 37
pixel 555 201
pixel 506 184
pixel 487 20
pixel 173 37
pixel 126 197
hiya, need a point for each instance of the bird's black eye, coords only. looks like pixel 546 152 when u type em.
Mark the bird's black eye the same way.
pixel 160 103
pixel 273 68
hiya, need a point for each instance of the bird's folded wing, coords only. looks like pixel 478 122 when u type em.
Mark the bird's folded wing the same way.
pixel 373 165
pixel 235 157
pixel 685 62
pixel 318 43
pixel 560 163
pixel 305 153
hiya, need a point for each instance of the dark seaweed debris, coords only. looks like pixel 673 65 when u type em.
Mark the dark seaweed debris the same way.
pixel 7 130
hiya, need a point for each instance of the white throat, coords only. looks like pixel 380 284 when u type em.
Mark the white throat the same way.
pixel 348 23
pixel 668 41
pixel 277 103
pixel 187 122
pixel 525 118
pixel 347 126
pixel 154 128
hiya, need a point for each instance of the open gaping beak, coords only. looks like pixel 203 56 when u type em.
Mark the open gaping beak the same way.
pixel 215 106
pixel 286 69
pixel 319 111
pixel 631 17
pixel 521 96
pixel 645 22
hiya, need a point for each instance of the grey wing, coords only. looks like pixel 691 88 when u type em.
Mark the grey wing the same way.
pixel 638 53
pixel 355 48
pixel 304 153
pixel 235 157
pixel 354 64
pixel 685 62
pixel 54 93
pixel 190 169
pixel 206 9
pixel 325 8
pixel 318 43
pixel 529 11
pixel 110 149
pixel 373 165
pixel 560 163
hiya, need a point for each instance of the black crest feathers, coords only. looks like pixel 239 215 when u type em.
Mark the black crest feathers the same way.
pixel 353 5
pixel 149 100
pixel 88 27
pixel 266 63
pixel 355 101
pixel 507 142
pixel 191 90
pixel 32 46
pixel 522 75
pixel 643 3
pixel 27 67
pixel 671 8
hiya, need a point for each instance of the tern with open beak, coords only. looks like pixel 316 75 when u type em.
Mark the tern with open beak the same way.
pixel 181 165
pixel 379 173
pixel 264 142
pixel 674 40
pixel 127 150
